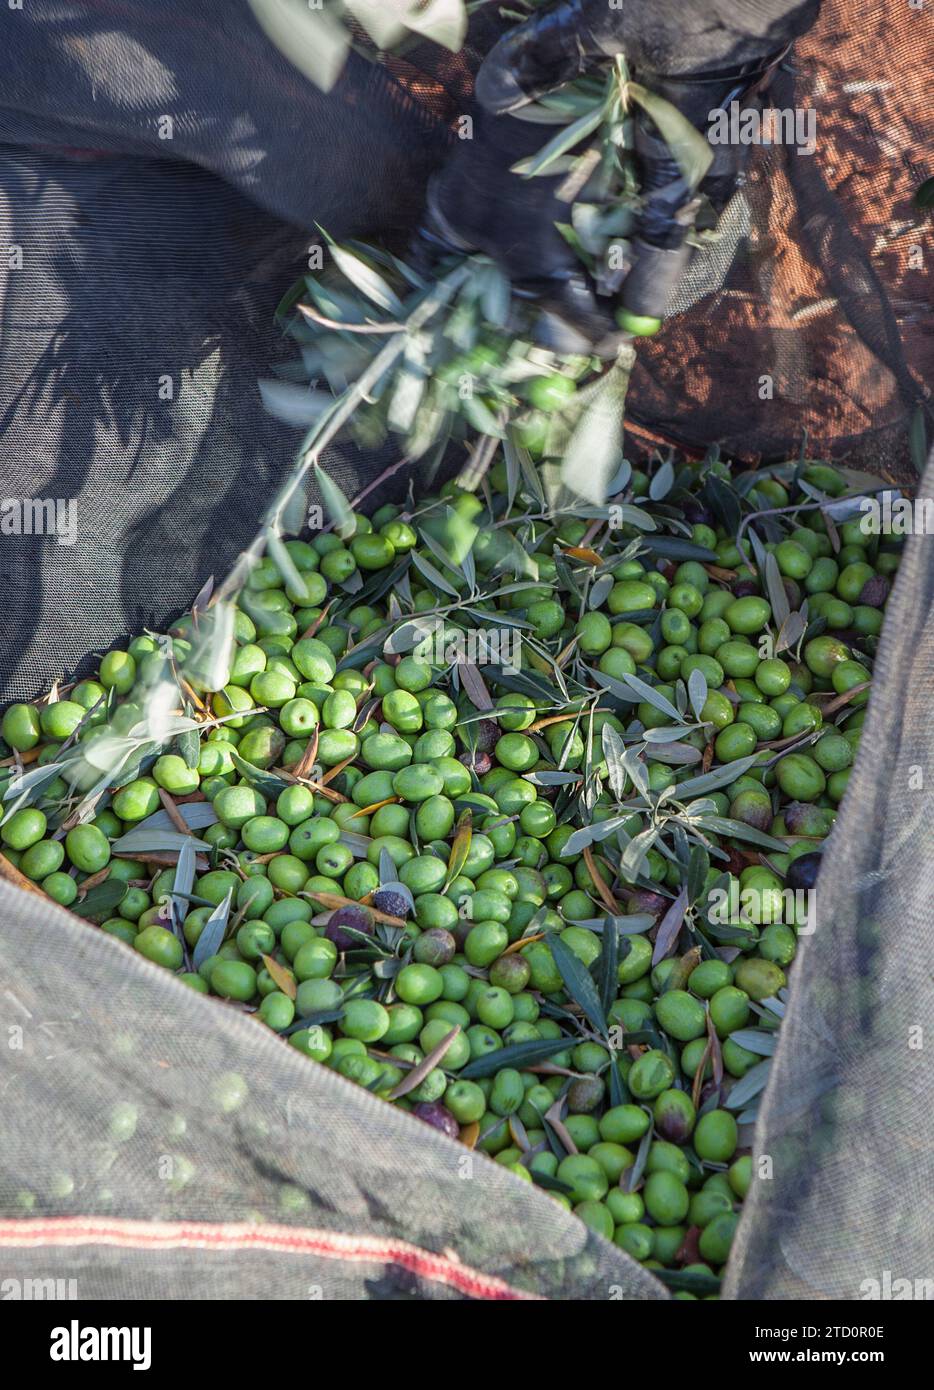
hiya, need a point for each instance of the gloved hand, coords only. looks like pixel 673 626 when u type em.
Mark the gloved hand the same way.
pixel 698 54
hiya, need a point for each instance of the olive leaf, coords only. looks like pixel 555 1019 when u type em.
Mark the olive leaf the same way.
pixel 139 842
pixel 776 589
pixel 614 751
pixel 100 901
pixel 609 959
pixel 595 450
pixel 698 869
pixel 749 1086
pixel 674 548
pixel 634 1176
pixel 183 881
pixel 697 691
pixel 336 504
pixel 519 1056
pixel 284 979
pixel 662 482
pixel 691 151
pixel 717 778
pixel 756 1040
pixel 434 1058
pixel 432 575
pixel 312 39
pixel 197 815
pixel 669 927
pixel 578 982
pixel 293 404
pixel 212 933
pixel 565 140
pixel 651 696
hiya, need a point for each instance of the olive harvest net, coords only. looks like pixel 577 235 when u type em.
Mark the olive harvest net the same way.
pixel 162 169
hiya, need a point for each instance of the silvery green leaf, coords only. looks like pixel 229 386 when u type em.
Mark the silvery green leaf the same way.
pixel 633 856
pixel 792 629
pixel 548 159
pixel 667 735
pixel 651 696
pixel 432 575
pixel 697 691
pixel 595 450
pixel 481 417
pixel 719 777
pixel 738 830
pixel 578 982
pixel 638 774
pixel 551 779
pixel 265 782
pixel 669 927
pixel 628 515
pixel 405 400
pixel 283 561
pixel 495 296
pixel 756 1040
pixel 184 879
pixel 599 591
pixel 631 924
pixel 212 650
pixel 34 780
pixel 614 751
pixel 776 590
pixel 367 280
pixel 442 21
pixel 749 1086
pixel 212 933
pixel 382 21
pixel 581 839
pixel 404 638
pixel 677 754
pixel 138 841
pixel 293 404
pixel 357 844
pixel 387 868
pixel 662 482
pixel 691 151
pixel 336 504
pixel 619 482
pixel 197 815
pixel 615 687
pixel 759 551
pixel 189 746
pixel 312 40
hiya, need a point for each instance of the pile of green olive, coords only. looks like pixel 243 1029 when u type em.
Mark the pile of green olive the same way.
pixel 441 819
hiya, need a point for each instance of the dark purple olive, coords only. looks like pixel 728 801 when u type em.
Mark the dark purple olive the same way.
pixel 696 513
pixel 802 818
pixel 585 1094
pixel 752 808
pixel 743 587
pixel 803 871
pixel 643 900
pixel 392 903
pixel 487 733
pixel 435 1115
pixel 477 762
pixel 359 918
pixel 435 947
pixel 875 591
pixel 673 1117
